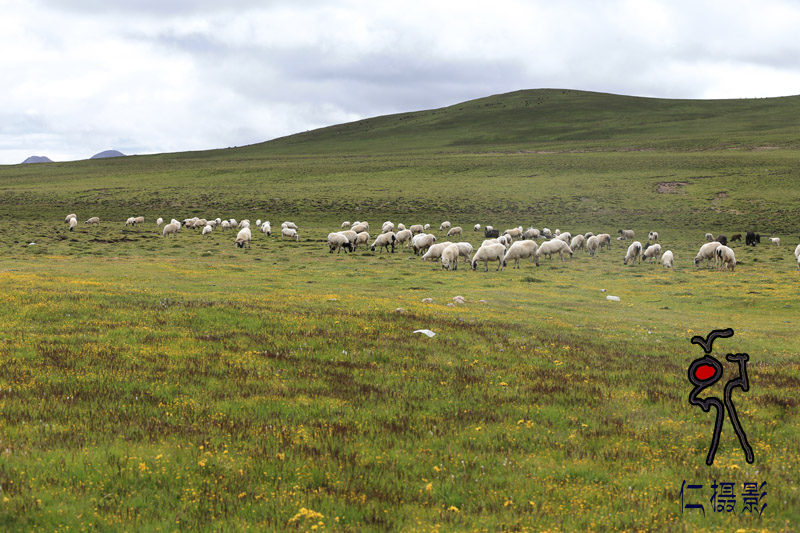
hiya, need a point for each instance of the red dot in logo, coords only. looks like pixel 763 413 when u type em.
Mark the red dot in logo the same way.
pixel 704 372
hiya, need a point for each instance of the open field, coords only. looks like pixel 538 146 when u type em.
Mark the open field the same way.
pixel 182 383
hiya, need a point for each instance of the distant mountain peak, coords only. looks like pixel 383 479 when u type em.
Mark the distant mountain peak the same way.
pixel 108 153
pixel 37 159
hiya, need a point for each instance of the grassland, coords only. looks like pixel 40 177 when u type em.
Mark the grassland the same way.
pixel 150 383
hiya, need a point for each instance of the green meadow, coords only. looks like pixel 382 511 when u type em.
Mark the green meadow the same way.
pixel 175 384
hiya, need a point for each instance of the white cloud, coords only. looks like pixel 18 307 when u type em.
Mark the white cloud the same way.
pixel 147 76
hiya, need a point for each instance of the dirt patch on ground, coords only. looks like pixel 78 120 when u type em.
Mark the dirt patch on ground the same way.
pixel 671 187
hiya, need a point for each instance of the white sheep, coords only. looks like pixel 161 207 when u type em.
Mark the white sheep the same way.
pixel 387 227
pixel 553 246
pixel 454 231
pixel 476 227
pixel 634 253
pixel 226 224
pixel 531 233
pixel 207 229
pixel 138 220
pixel 709 237
pixel 93 220
pixel 435 250
pixel 521 250
pixel 775 240
pixel 384 240
pixel 159 221
pixel 359 227
pixel 604 240
pixel 667 259
pixel 290 225
pixel 401 226
pixel 173 221
pixel 513 233
pixel 351 235
pixel 72 223
pixel 170 229
pixel 345 224
pixel 707 252
pixel 444 225
pixel 465 250
pixel 798 264
pixel 592 245
pixel 233 223
pixel 490 252
pixel 546 233
pixel 426 227
pixel 505 240
pixel 587 235
pixel 243 224
pixel 557 232
pixel 404 235
pixel 243 237
pixel 577 242
pixel 625 234
pixel 71 215
pixel 266 228
pixel 291 233
pixel 423 241
pixel 651 253
pixel 726 257
pixel 337 241
pixel 797 252
pixel 258 223
pixel 416 228
pixel 130 222
pixel 566 236
pixel 361 238
pixel 652 236
pixel 450 257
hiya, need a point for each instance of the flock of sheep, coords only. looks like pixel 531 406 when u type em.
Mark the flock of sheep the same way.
pixel 513 245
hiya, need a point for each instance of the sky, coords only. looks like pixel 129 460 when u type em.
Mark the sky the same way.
pixel 153 76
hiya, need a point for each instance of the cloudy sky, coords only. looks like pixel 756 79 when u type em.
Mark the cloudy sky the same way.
pixel 150 76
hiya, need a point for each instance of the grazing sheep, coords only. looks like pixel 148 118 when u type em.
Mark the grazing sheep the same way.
pixel 592 245
pixel 625 234
pixel 423 241
pixel 505 240
pixel 225 224
pixel 775 240
pixel 258 223
pixel 725 257
pixel 546 233
pixel 751 238
pixel 605 240
pixel 401 226
pixel 634 253
pixel 291 233
pixel 387 227
pixel 426 227
pixel 557 232
pixel 337 241
pixel 93 220
pixel 566 236
pixel 514 233
pixel 444 225
pixel 450 257
pixel 491 233
pixel 72 223
pixel 71 215
pixel 435 250
pixel 345 224
pixel 667 259
pixel 454 231
pixel 243 238
pixel 709 237
pixel 531 233
pixel 416 228
pixel 652 236
pixel 350 234
pixel 722 239
pixel 797 252
pixel 521 250
pixel 577 242
pixel 138 220
pixel 551 247
pixel 384 240
pixel 361 238
pixel 290 225
pixel 266 228
pixel 358 228
pixel 798 264
pixel 159 221
pixel 171 229
pixel 707 252
pixel 477 227
pixel 130 222
pixel 490 252
pixel 243 224
pixel 465 250
pixel 404 235
pixel 233 223
pixel 736 237
pixel 651 253
pixel 587 235
pixel 207 229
